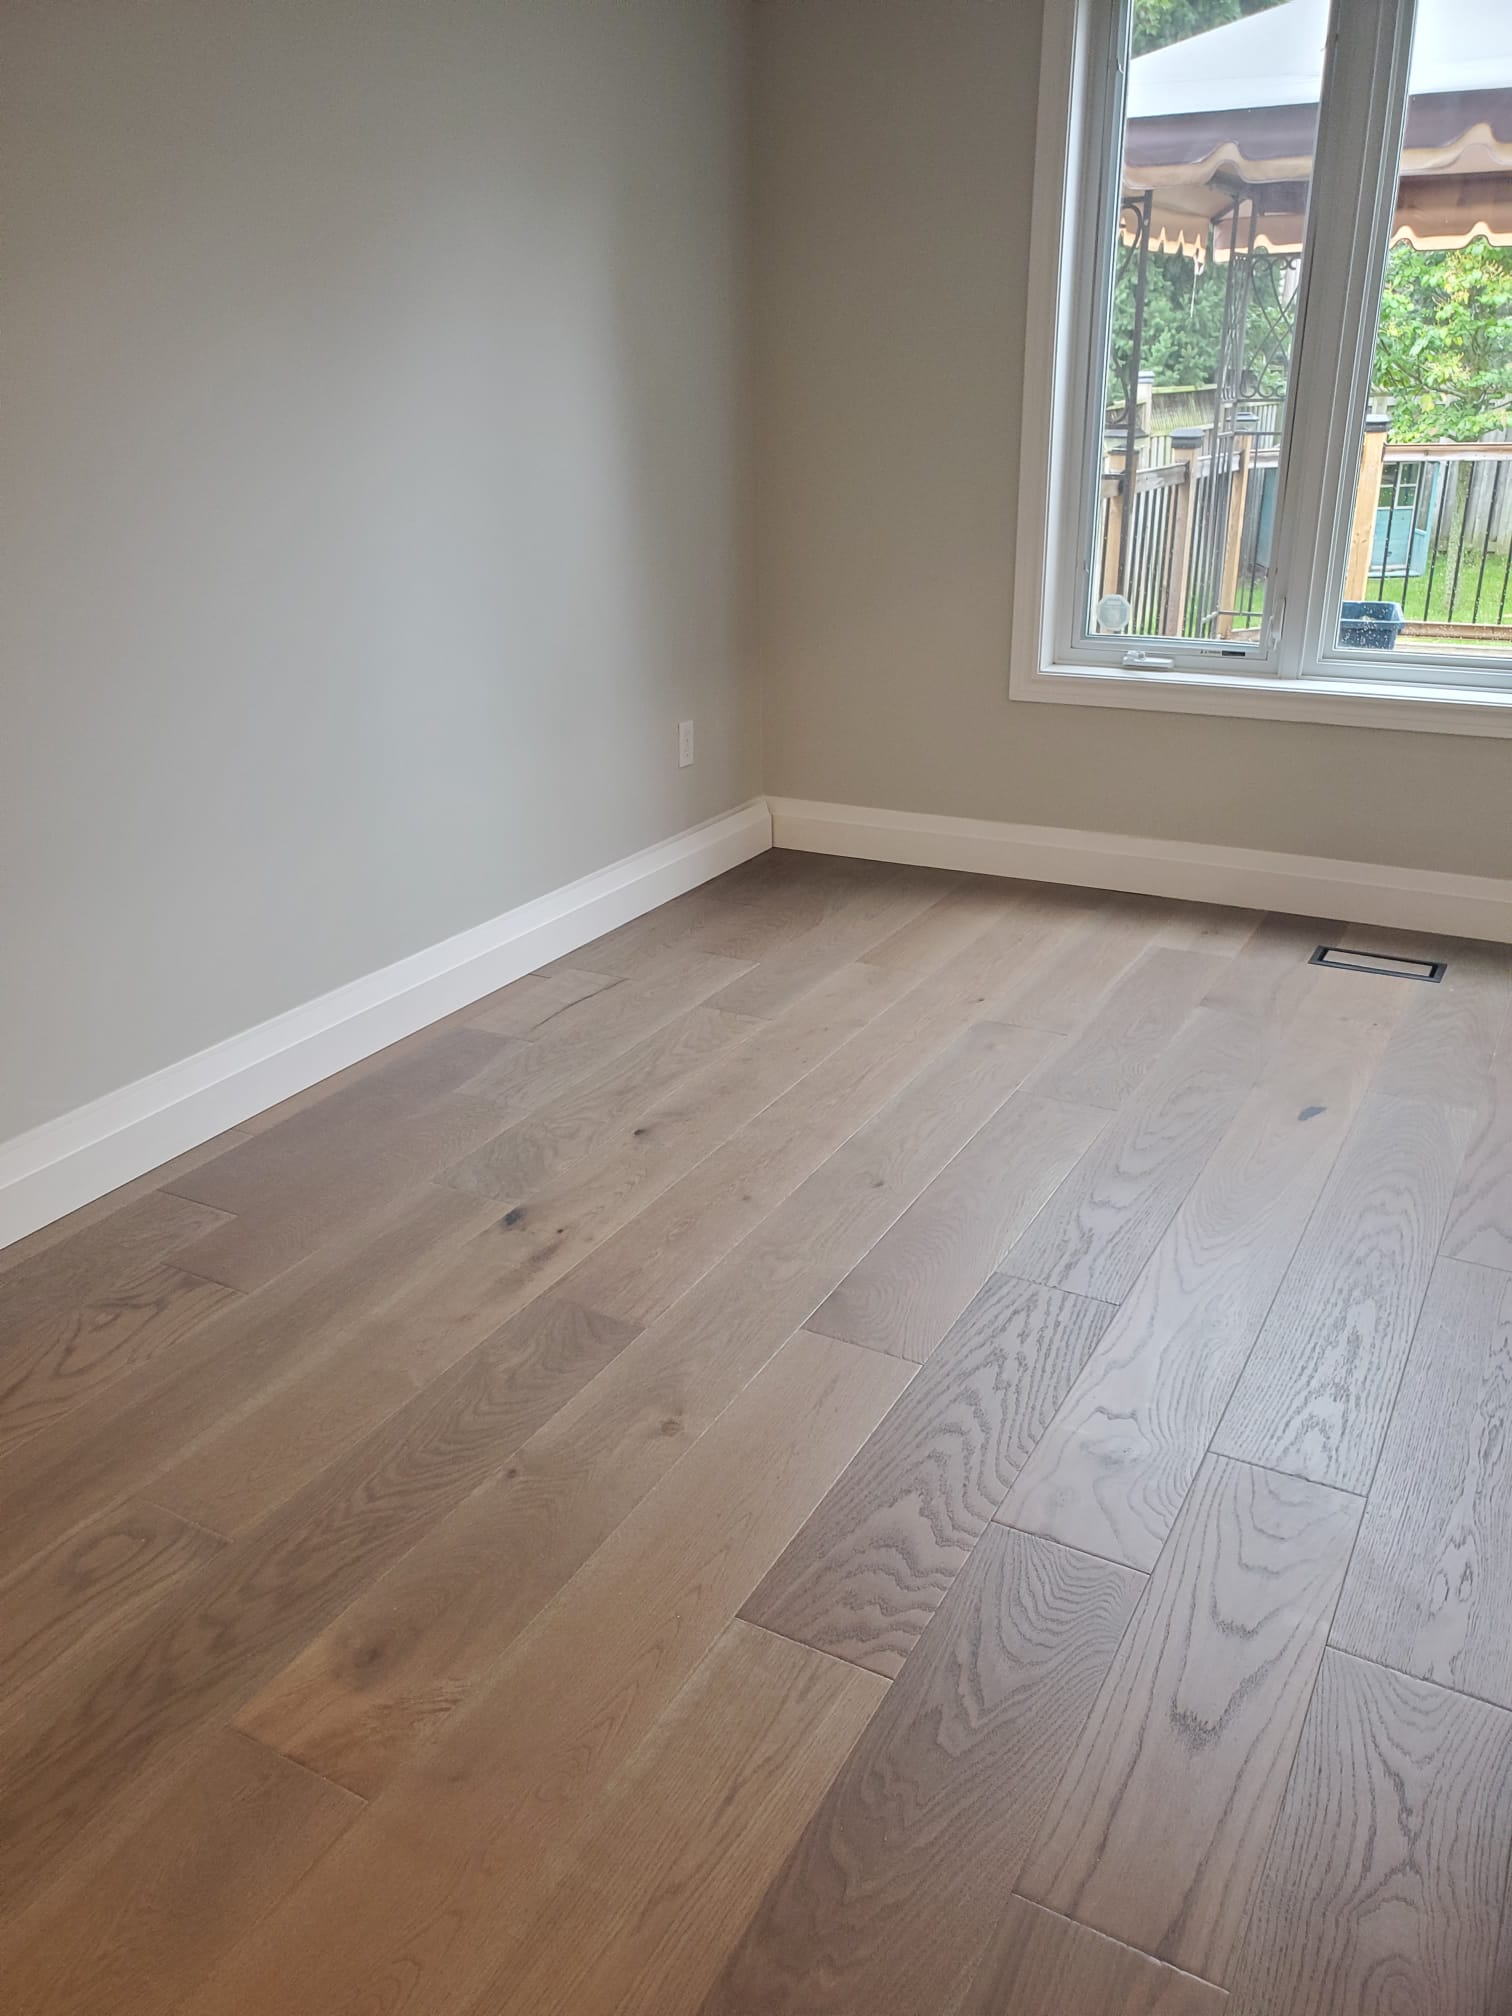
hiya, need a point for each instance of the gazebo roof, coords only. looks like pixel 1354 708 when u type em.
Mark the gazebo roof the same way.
pixel 1231 115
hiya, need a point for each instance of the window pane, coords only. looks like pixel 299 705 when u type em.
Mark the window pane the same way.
pixel 1216 163
pixel 1429 553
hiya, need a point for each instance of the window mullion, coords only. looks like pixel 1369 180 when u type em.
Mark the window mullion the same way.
pixel 1349 229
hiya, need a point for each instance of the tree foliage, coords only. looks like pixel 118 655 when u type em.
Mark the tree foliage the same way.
pixel 1444 347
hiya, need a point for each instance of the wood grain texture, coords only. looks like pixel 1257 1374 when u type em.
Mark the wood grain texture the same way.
pixel 1040 1964
pixel 645 1902
pixel 324 1171
pixel 870 1568
pixel 1447 1036
pixel 550 1524
pixel 124 1715
pixel 527 1073
pixel 1104 1221
pixel 527 1004
pixel 46 1285
pixel 1194 1730
pixel 1116 1463
pixel 97 1578
pixel 113 1446
pixel 667 1249
pixel 1429 1590
pixel 897 1883
pixel 99 1345
pixel 917 1279
pixel 591 1114
pixel 109 1213
pixel 1126 1036
pixel 422 1652
pixel 1268 977
pixel 1384 1883
pixel 1317 1392
pixel 1480 1219
pixel 134 1929
pixel 412 1895
pixel 1064 989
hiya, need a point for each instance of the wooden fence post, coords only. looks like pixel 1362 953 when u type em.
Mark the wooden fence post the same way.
pixel 1186 445
pixel 1367 502
pixel 1233 536
pixel 1113 465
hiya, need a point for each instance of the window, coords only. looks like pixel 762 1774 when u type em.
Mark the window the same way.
pixel 1272 307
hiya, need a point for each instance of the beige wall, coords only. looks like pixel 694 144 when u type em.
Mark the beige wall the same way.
pixel 893 146
pixel 370 474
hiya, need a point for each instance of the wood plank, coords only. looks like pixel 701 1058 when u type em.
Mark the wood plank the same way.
pixel 1040 1964
pixel 95 1579
pixel 527 1004
pixel 78 1356
pixel 416 1884
pixel 1208 927
pixel 1430 1588
pixel 1316 1394
pixel 30 1249
pixel 1126 1036
pixel 917 1279
pixel 1062 991
pixel 1384 1882
pixel 1194 1730
pixel 872 910
pixel 867 1572
pixel 124 1715
pixel 42 1290
pixel 1268 977
pixel 1105 1220
pixel 525 1074
pixel 369 1691
pixel 954 921
pixel 111 1448
pixel 231 1478
pixel 589 1117
pixel 1119 1458
pixel 897 1883
pixel 319 1175
pixel 134 1929
pixel 683 1233
pixel 642 1271
pixel 1480 1219
pixel 687 1835
pixel 1447 1037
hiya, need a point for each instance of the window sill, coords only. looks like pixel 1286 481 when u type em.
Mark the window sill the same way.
pixel 1344 703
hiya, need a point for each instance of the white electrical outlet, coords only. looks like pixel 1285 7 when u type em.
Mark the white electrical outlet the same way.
pixel 684 744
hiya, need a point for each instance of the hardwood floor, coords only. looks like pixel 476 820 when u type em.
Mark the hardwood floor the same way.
pixel 874 1443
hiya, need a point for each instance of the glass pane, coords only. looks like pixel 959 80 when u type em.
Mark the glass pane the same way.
pixel 1216 163
pixel 1431 547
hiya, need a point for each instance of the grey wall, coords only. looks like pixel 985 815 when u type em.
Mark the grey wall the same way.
pixel 893 149
pixel 370 472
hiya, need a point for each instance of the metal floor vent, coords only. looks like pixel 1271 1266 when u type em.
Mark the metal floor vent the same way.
pixel 1431 970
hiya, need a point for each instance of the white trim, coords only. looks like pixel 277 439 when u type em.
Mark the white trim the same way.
pixel 1361 892
pixel 82 1155
pixel 1339 703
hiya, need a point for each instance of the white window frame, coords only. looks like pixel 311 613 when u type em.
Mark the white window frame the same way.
pixel 1296 672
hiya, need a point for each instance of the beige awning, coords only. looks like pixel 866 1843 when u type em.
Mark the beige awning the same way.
pixel 1221 129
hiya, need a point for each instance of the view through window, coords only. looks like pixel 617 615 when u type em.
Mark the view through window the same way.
pixel 1431 539
pixel 1216 155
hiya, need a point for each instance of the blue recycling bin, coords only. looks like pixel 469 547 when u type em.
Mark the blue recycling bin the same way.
pixel 1371 626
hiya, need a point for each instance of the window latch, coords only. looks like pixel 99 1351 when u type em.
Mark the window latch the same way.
pixel 1149 661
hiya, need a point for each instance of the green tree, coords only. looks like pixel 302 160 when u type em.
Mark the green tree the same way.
pixel 1444 346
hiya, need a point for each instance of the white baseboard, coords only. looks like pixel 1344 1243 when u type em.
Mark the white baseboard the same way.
pixel 1359 892
pixel 81 1155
